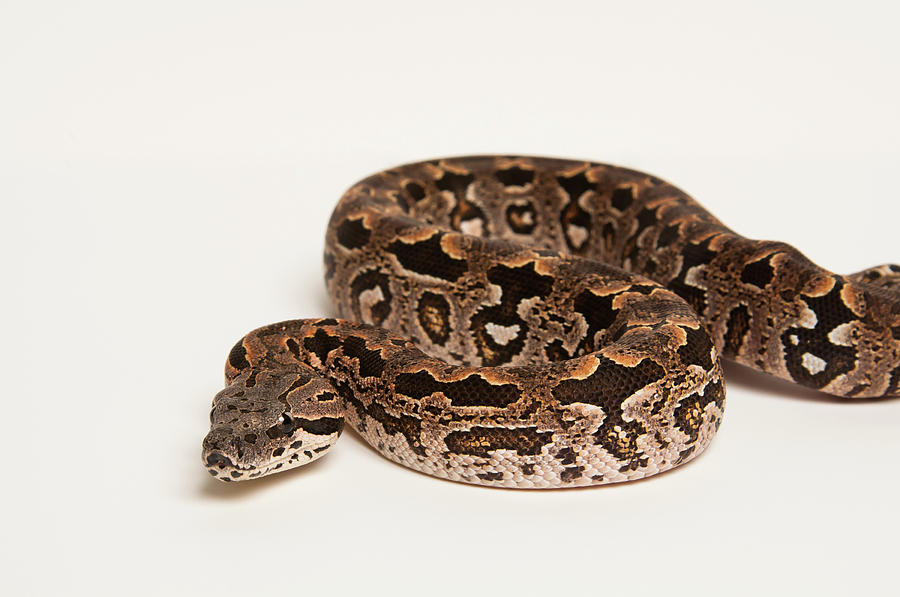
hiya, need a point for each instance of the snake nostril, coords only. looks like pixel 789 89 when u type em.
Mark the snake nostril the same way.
pixel 218 459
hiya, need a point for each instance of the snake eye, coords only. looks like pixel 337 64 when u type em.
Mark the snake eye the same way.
pixel 284 426
pixel 286 423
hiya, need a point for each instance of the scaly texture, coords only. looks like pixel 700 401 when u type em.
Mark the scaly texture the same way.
pixel 535 322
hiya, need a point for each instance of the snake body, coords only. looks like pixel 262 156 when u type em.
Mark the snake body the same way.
pixel 537 322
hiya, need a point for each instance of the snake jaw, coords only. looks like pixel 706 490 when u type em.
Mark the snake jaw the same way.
pixel 224 468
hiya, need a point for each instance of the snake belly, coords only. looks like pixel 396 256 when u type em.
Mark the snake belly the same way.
pixel 538 322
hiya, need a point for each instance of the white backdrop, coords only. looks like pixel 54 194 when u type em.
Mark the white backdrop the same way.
pixel 166 173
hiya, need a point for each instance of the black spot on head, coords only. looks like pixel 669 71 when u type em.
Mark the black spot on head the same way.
pixel 353 234
pixel 277 452
pixel 237 358
pixel 515 176
pixel 293 347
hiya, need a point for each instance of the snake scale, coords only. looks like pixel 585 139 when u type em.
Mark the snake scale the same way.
pixel 535 322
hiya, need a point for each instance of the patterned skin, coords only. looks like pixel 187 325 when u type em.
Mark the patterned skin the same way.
pixel 535 322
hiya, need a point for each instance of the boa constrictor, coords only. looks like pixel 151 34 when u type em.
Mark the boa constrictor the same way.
pixel 536 322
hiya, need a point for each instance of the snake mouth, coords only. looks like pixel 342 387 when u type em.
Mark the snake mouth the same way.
pixel 225 469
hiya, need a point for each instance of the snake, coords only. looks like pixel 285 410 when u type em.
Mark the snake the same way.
pixel 534 322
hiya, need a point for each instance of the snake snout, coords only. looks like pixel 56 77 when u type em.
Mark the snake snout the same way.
pixel 221 454
pixel 219 465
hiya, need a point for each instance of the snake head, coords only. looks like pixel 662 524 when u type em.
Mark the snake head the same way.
pixel 268 421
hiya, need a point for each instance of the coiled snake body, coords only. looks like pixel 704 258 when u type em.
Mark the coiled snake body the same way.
pixel 537 322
